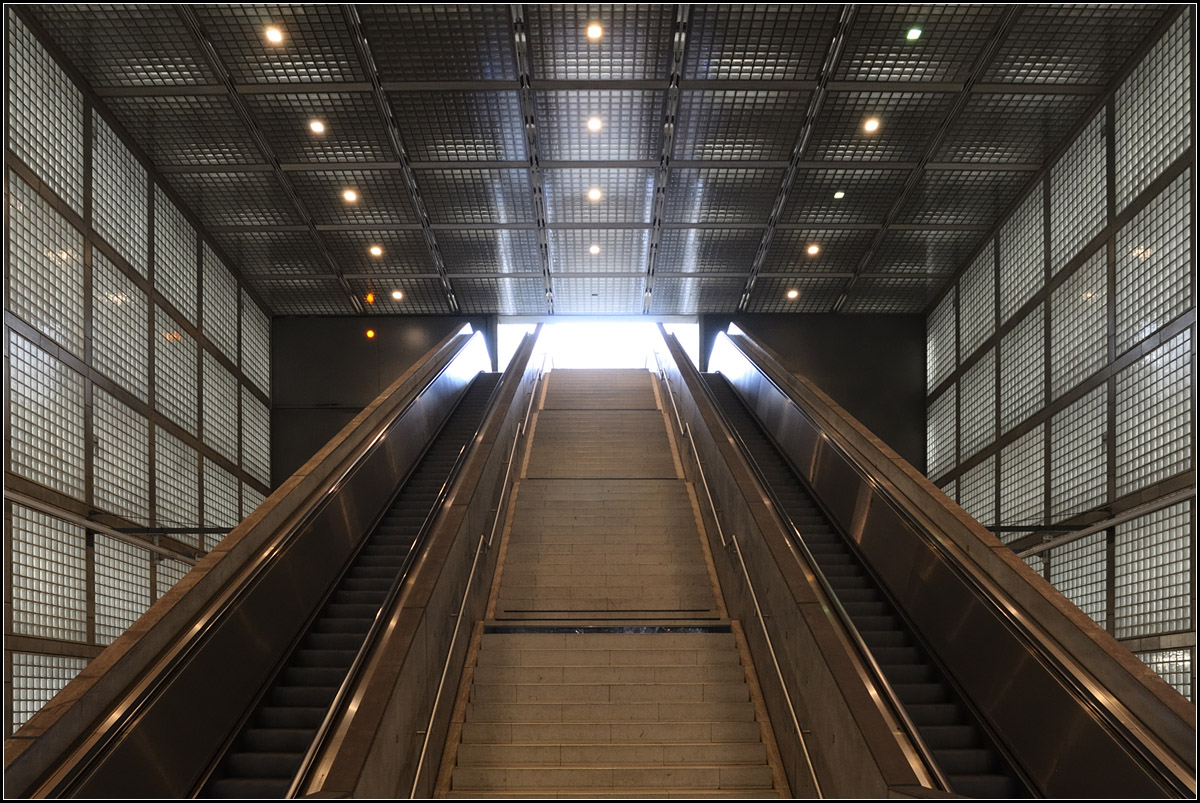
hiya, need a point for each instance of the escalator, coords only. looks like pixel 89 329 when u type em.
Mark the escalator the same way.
pixel 966 755
pixel 268 753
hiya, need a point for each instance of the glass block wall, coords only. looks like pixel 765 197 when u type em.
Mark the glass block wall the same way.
pixel 1061 369
pixel 137 384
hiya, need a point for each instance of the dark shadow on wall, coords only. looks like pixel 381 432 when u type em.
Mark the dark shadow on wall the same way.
pixel 872 365
pixel 325 370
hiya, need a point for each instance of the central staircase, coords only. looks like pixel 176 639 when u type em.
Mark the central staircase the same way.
pixel 606 666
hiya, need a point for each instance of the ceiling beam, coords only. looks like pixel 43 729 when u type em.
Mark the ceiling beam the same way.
pixel 192 23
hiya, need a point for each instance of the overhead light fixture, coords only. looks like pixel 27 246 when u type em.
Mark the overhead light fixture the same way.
pixel 397 295
pixel 594 124
pixel 370 298
pixel 595 249
pixel 793 294
pixel 594 194
pixel 317 127
pixel 872 124
pixel 370 334
pixel 350 195
pixel 839 195
pixel 594 31
pixel 376 251
pixel 274 35
pixel 913 34
pixel 813 250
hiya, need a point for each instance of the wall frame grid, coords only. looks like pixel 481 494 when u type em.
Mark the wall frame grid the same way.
pixel 1115 315
pixel 80 520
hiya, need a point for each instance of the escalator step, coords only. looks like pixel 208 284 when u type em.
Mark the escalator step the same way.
pixel 348 597
pixel 333 641
pixel 891 656
pixel 836 572
pixel 276 718
pixel 910 673
pixel 875 622
pixel 342 658
pixel 858 595
pixel 849 582
pixel 885 638
pixel 277 740
pixel 857 609
pixel 919 693
pixel 313 676
pixel 336 609
pixel 247 788
pixel 939 737
pixel 326 624
pixel 923 714
pixel 995 787
pixel 264 765
pixel 303 696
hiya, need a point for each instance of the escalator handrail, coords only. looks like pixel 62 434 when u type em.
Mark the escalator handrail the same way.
pixel 1088 689
pixel 126 704
pixel 886 693
pixel 384 614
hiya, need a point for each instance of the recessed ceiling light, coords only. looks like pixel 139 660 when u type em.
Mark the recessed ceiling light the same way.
pixel 370 298
pixel 317 127
pixel 595 249
pixel 397 295
pixel 370 334
pixel 914 33
pixel 594 31
pixel 594 194
pixel 813 250
pixel 376 251
pixel 872 124
pixel 350 195
pixel 793 294
pixel 595 124
pixel 839 195
pixel 274 35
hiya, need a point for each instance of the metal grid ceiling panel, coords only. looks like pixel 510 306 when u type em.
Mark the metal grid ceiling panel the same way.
pixel 841 251
pixel 186 130
pixel 122 586
pixel 726 195
pixel 45 115
pixel 120 327
pixel 221 502
pixel 175 366
pixel 1072 44
pixel 36 679
pixel 1154 111
pixel 121 458
pixel 256 438
pixel 941 351
pixel 597 295
pixel 890 295
pixel 175 255
pixel 739 124
pixel 1155 265
pixel 626 195
pixel 907 251
pixel 271 253
pixel 636 41
pixel 45 267
pixel 377 193
pixel 49 576
pixel 770 294
pixel 219 408
pixel 758 42
pixel 1079 325
pixel 907 121
pixel 1155 416
pixel 1008 127
pixel 45 409
pixel 1079 456
pixel 120 202
pixel 1023 479
pixel 304 296
pixel 977 405
pixel 505 296
pixel 444 42
pixel 176 485
pixel 220 295
pixel 962 197
pixel 1023 369
pixel 952 37
pixel 1153 576
pixel 1080 571
pixel 461 126
pixel 866 195
pixel 940 447
pixel 401 251
pixel 1173 666
pixel 420 296
pixel 689 295
pixel 234 199
pixel 977 301
pixel 716 250
pixel 631 124
pixel 1078 191
pixel 476 196
pixel 490 251
pixel 1023 254
pixel 316 43
pixel 977 492
pixel 619 250
pixel 167 573
pixel 354 130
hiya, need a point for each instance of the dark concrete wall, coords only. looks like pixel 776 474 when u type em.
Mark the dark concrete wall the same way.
pixel 325 370
pixel 872 365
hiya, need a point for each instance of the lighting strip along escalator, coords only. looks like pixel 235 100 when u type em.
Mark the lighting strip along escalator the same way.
pixel 265 757
pixel 966 756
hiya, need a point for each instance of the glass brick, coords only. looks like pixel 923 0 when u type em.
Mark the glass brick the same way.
pixel 45 419
pixel 1154 416
pixel 121 460
pixel 49 576
pixel 1153 572
pixel 120 327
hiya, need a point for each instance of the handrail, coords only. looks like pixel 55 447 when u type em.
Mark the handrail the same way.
pixel 1085 687
pixel 521 431
pixel 377 624
pixel 707 491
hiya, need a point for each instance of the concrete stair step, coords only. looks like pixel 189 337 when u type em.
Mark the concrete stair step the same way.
pixel 609 754
pixel 609 732
pixel 595 778
pixel 722 673
pixel 608 641
pixel 611 712
pixel 633 794
pixel 609 692
pixel 615 657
